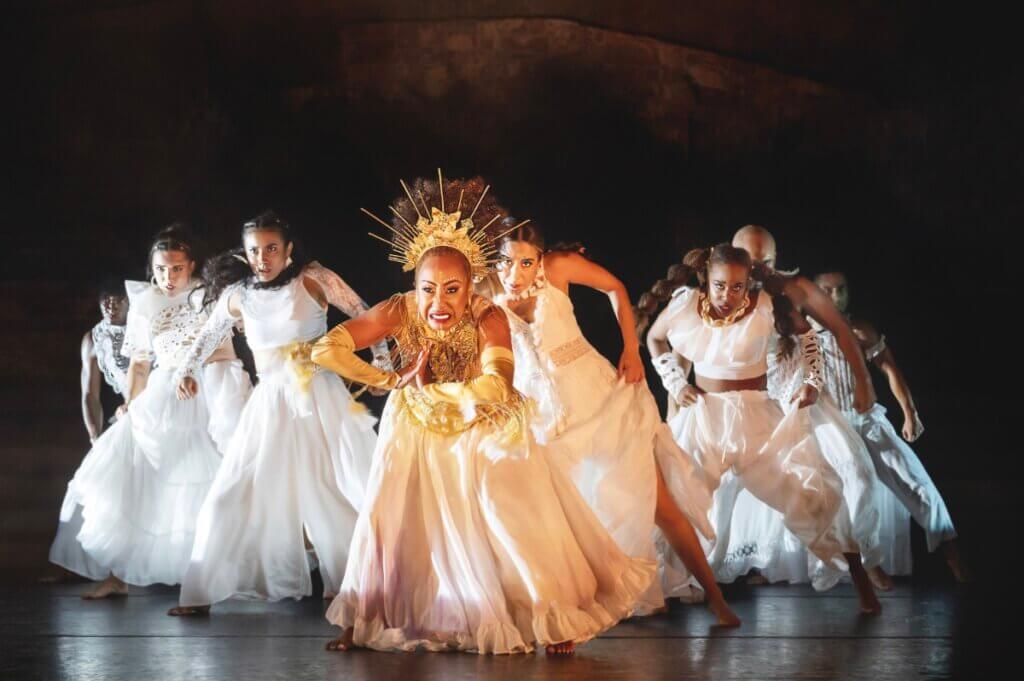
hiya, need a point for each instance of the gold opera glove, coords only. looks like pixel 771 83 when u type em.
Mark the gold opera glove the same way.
pixel 493 386
pixel 337 351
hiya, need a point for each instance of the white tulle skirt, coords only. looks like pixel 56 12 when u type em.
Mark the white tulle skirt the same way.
pixel 774 455
pixel 298 462
pixel 468 544
pixel 609 438
pixel 135 498
pixel 227 386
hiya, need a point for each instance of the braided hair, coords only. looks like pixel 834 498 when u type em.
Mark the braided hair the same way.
pixel 695 265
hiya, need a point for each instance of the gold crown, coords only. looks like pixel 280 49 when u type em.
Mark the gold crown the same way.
pixel 437 228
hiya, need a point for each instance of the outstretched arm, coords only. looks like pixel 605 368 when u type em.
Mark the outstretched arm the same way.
pixel 812 301
pixel 877 351
pixel 92 410
pixel 572 268
pixel 336 351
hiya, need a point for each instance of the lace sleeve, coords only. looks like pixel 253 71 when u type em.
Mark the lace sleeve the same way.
pixel 810 353
pixel 210 337
pixel 342 296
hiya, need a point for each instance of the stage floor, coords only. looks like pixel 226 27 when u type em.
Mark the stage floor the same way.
pixel 926 631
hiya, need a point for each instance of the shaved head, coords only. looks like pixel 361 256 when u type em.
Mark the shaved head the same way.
pixel 758 242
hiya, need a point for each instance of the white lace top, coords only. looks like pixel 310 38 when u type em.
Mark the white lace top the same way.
pixel 107 340
pixel 162 328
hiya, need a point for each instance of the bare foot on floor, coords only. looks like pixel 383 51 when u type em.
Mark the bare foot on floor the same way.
pixel 756 579
pixel 189 611
pixel 881 579
pixel 869 603
pixel 563 648
pixel 955 562
pixel 111 586
pixel 341 644
pixel 726 617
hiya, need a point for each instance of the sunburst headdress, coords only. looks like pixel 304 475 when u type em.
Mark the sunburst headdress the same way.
pixel 435 228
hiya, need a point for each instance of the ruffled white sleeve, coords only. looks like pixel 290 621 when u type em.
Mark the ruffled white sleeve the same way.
pixel 342 296
pixel 137 343
pixel 210 337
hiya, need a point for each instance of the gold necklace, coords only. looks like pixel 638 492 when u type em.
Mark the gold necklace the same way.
pixel 705 312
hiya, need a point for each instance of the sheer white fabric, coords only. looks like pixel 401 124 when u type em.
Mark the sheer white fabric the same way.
pixel 448 554
pixel 772 453
pixel 605 434
pixel 299 458
pixel 896 464
pixel 135 498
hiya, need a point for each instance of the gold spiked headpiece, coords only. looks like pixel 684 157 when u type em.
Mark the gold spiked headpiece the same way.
pixel 435 228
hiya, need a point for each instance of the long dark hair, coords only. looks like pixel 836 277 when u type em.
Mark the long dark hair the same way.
pixel 532 234
pixel 694 266
pixel 231 266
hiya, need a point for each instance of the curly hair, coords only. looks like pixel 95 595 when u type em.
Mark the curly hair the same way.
pixel 694 266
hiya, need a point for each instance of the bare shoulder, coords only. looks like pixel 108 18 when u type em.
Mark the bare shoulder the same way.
pixel 493 323
pixel 864 331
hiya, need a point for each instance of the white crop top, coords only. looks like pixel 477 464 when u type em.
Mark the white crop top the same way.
pixel 735 352
pixel 278 317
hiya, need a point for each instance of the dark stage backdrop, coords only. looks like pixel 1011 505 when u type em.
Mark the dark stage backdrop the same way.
pixel 881 139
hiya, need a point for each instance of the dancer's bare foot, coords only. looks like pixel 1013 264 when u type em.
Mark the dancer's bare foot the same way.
pixel 343 643
pixel 111 586
pixel 329 595
pixel 881 579
pixel 869 603
pixel 189 610
pixel 721 610
pixel 563 648
pixel 955 562
pixel 756 579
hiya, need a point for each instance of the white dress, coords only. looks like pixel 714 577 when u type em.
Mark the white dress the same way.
pixel 758 537
pixel 772 453
pixel 606 434
pixel 139 489
pixel 298 461
pixel 897 465
pixel 469 539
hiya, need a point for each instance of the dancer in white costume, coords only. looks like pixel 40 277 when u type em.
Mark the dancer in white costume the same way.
pixel 753 519
pixel 102 361
pixel 103 378
pixel 603 425
pixel 469 539
pixel 757 537
pixel 141 485
pixel 898 466
pixel 300 457
pixel 729 422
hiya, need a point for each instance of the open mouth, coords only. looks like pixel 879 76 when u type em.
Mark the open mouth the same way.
pixel 440 317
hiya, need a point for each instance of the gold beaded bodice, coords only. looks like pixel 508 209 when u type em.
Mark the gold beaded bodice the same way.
pixel 454 358
pixel 456 354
